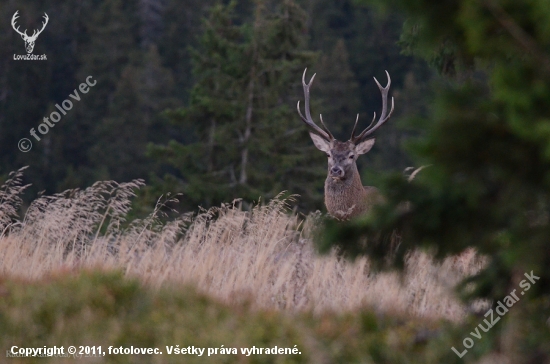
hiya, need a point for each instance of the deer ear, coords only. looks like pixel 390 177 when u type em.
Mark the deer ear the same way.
pixel 320 143
pixel 364 146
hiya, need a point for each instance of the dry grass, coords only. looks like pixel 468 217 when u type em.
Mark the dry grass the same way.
pixel 264 256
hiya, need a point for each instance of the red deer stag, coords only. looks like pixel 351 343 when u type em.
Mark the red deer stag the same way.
pixel 345 195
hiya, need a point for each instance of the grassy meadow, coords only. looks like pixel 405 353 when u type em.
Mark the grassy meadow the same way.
pixel 75 272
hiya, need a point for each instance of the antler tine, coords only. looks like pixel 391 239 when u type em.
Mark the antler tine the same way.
pixel 44 23
pixel 13 19
pixel 36 33
pixel 384 116
pixel 307 119
pixel 325 127
pixel 354 127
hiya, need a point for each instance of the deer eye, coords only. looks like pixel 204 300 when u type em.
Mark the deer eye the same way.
pixel 351 156
pixel 328 155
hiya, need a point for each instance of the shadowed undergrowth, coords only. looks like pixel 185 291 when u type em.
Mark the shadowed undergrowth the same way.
pixel 95 308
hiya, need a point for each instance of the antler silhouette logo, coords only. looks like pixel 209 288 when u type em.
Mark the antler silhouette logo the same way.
pixel 29 41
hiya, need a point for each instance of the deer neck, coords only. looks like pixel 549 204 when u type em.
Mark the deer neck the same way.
pixel 344 198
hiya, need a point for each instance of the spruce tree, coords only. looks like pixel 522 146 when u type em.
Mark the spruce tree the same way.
pixel 487 143
pixel 339 89
pixel 144 89
pixel 241 137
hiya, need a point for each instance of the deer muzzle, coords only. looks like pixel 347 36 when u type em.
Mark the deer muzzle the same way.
pixel 336 172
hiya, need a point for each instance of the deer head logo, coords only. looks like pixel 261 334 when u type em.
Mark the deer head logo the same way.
pixel 29 41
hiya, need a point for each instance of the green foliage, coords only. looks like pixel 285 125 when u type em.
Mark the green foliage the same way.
pixel 141 55
pixel 487 142
pixel 105 309
pixel 144 89
pixel 243 138
pixel 137 53
pixel 338 87
pixel 357 43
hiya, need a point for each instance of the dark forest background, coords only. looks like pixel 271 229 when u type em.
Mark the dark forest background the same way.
pixel 199 97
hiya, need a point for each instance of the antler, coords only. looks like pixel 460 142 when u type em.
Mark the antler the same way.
pixel 385 116
pixel 24 34
pixel 43 26
pixel 323 133
pixel 13 19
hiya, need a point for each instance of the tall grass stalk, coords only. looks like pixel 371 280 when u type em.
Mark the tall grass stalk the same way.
pixel 264 256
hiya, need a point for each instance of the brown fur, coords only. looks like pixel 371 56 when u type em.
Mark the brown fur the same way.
pixel 346 197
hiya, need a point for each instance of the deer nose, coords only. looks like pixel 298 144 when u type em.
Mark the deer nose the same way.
pixel 336 172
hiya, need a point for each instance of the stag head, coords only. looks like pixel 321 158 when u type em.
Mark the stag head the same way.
pixel 29 40
pixel 342 156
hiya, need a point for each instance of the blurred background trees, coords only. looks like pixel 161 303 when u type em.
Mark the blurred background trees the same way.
pixel 211 87
pixel 487 145
pixel 199 97
pixel 245 141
